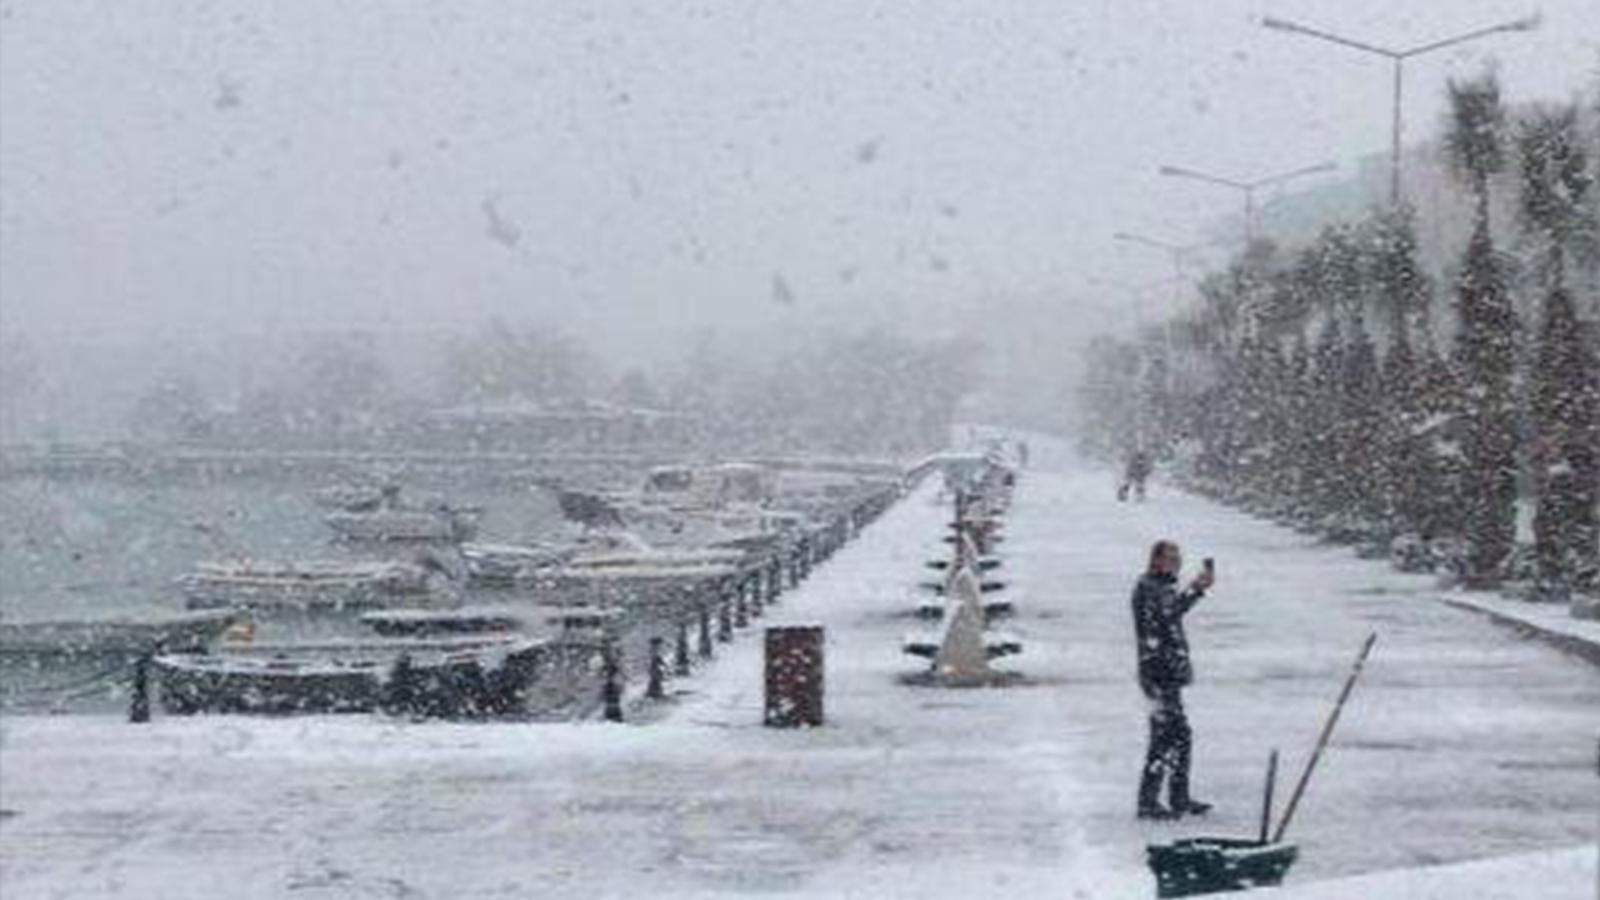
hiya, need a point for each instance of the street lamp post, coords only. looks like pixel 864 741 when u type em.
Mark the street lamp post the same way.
pixel 1398 58
pixel 1248 188
pixel 1143 295
pixel 1177 251
pixel 1153 362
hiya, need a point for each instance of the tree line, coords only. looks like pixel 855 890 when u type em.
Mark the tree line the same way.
pixel 1341 387
pixel 865 392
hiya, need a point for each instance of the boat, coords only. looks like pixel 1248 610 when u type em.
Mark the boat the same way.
pixel 442 525
pixel 349 497
pixel 639 583
pixel 388 518
pixel 469 620
pixel 719 486
pixel 114 636
pixel 507 564
pixel 659 558
pixel 447 678
pixel 307 585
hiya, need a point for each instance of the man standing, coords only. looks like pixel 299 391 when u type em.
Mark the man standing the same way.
pixel 1135 474
pixel 1164 670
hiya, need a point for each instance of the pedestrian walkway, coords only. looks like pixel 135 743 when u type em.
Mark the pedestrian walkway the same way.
pixel 1461 742
pixel 1551 622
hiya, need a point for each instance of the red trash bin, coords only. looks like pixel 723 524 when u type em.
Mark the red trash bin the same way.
pixel 794 676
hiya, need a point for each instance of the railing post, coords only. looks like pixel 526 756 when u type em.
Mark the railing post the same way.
pixel 611 689
pixel 774 580
pixel 741 609
pixel 724 619
pixel 655 689
pixel 753 584
pixel 705 630
pixel 680 654
pixel 139 702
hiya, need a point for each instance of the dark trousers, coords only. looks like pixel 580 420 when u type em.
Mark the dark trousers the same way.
pixel 1171 743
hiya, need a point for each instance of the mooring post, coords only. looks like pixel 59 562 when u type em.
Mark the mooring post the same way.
pixel 724 619
pixel 705 630
pixel 611 689
pixel 139 702
pixel 680 653
pixel 656 688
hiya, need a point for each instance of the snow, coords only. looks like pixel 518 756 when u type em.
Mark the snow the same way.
pixel 1552 875
pixel 1554 619
pixel 1460 743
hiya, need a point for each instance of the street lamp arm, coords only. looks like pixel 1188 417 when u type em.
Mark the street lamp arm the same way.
pixel 1131 287
pixel 1308 170
pixel 1286 25
pixel 1179 172
pixel 1526 24
pixel 1147 241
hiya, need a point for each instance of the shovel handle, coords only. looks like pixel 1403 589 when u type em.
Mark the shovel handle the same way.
pixel 1322 741
pixel 1266 800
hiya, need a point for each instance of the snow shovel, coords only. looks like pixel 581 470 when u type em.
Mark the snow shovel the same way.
pixel 1207 865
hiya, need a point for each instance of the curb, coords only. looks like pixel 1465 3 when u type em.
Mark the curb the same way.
pixel 1581 647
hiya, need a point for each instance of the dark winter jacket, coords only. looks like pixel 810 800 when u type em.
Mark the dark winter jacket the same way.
pixel 1139 466
pixel 1158 609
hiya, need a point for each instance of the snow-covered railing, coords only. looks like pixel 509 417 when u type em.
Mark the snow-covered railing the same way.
pixel 711 604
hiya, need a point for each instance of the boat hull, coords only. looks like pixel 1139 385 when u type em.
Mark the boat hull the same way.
pixel 486 680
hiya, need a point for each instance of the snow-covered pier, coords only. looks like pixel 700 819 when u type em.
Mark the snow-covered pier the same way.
pixel 1464 760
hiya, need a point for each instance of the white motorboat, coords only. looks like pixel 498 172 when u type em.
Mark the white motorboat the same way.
pixel 309 585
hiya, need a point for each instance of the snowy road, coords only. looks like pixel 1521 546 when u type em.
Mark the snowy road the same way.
pixel 1461 742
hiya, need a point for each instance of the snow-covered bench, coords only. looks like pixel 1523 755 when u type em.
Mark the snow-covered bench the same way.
pixel 992 609
pixel 985 564
pixel 938 587
pixel 995 644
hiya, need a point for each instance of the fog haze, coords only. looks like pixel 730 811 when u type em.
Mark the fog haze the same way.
pixel 642 172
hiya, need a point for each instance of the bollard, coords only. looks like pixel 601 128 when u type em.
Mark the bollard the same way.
pixel 139 703
pixel 724 620
pixel 774 581
pixel 680 655
pixel 754 583
pixel 611 689
pixel 741 610
pixel 655 689
pixel 794 684
pixel 705 631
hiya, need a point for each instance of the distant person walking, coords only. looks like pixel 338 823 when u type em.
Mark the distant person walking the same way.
pixel 1134 475
pixel 1164 671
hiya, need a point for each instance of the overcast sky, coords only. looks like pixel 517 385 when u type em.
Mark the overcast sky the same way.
pixel 638 170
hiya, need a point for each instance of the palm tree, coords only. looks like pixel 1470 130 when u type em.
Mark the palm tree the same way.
pixel 1402 289
pixel 1474 141
pixel 1556 186
pixel 1484 343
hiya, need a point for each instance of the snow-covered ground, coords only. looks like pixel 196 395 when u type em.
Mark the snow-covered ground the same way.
pixel 1463 742
pixel 1554 620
